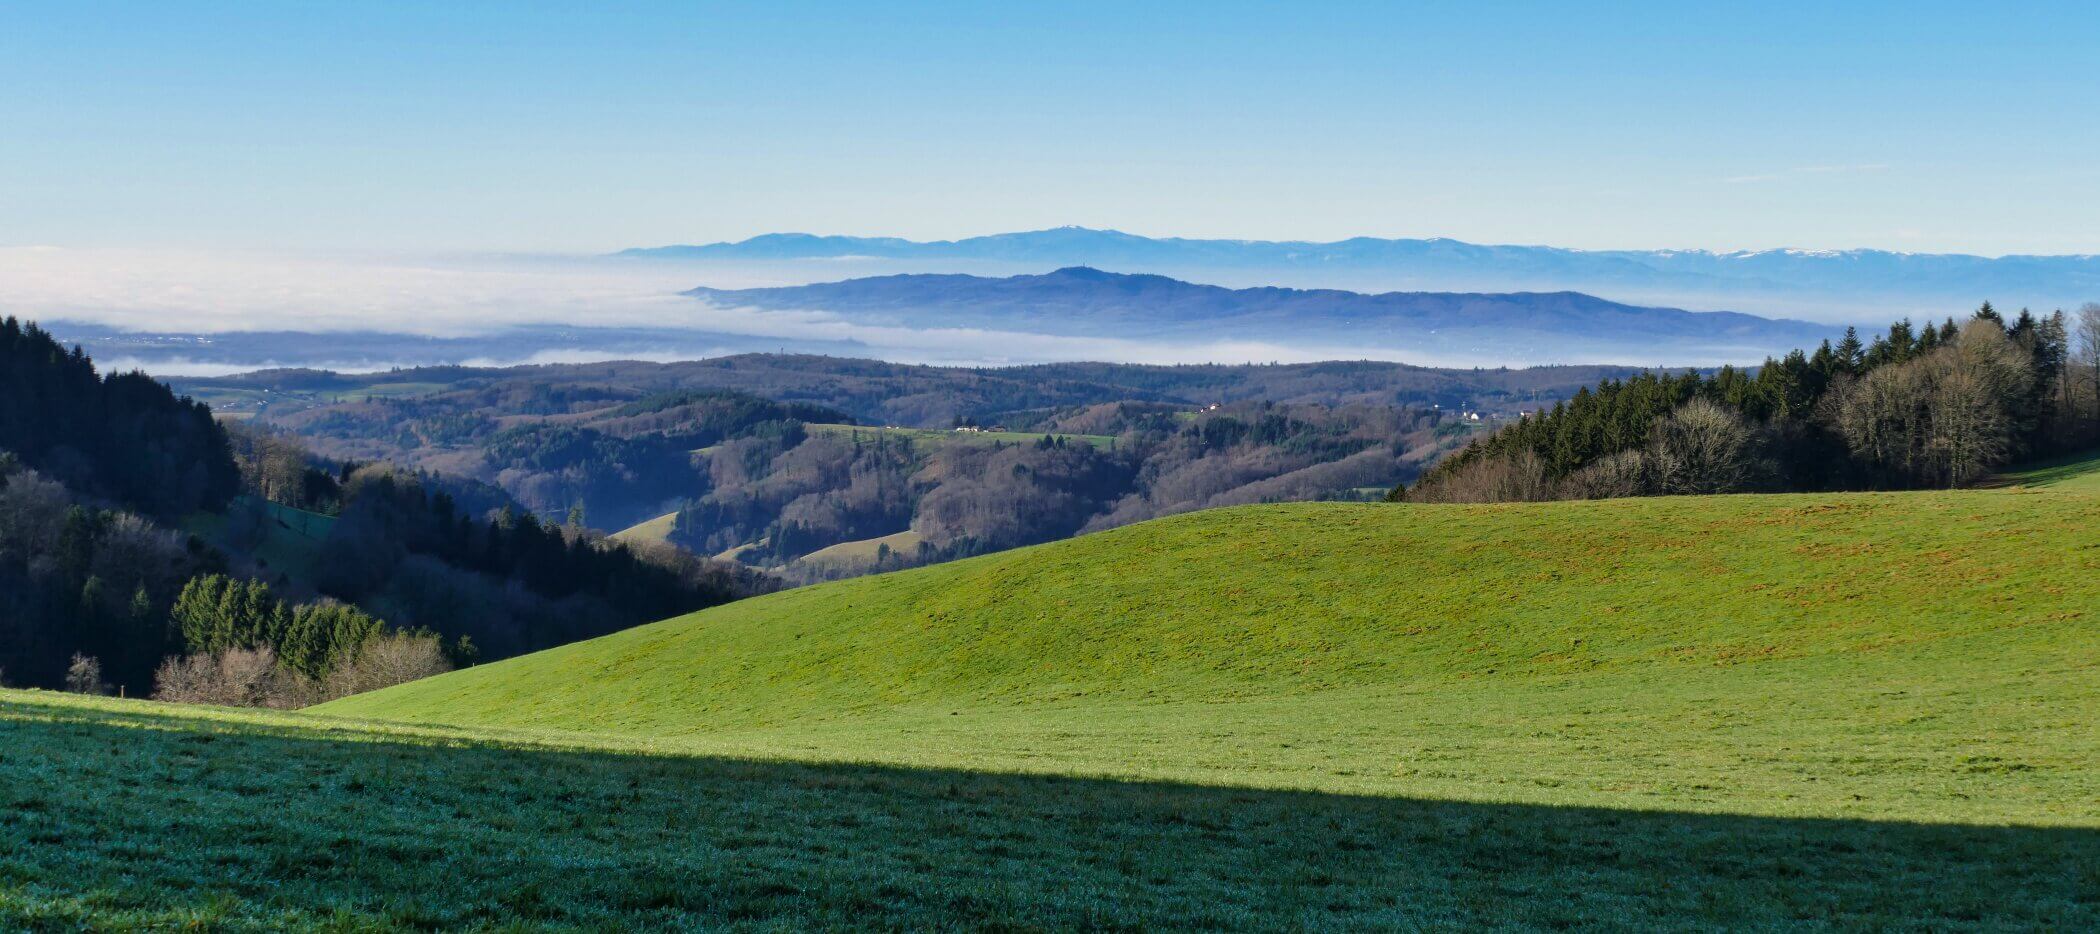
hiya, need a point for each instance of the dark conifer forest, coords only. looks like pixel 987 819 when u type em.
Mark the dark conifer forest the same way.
pixel 124 437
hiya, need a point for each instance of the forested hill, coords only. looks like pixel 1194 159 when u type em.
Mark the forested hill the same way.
pixel 124 436
pixel 147 549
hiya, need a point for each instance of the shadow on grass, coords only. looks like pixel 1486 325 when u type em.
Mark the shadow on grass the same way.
pixel 2047 473
pixel 124 816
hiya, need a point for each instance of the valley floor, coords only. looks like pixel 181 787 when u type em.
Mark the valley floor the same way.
pixel 120 813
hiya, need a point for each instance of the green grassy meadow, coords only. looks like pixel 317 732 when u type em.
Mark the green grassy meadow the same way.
pixel 1835 710
pixel 1890 656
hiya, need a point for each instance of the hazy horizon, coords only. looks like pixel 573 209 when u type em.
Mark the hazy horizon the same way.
pixel 457 169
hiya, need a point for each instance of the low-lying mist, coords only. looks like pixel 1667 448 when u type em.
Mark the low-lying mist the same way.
pixel 212 313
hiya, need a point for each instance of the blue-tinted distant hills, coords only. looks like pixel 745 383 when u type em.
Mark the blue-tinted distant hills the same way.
pixel 1824 282
pixel 1087 302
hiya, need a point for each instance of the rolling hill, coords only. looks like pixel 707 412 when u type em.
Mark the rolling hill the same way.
pixel 1852 710
pixel 1792 655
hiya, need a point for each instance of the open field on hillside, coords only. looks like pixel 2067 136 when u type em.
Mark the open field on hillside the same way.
pixel 861 553
pixel 654 530
pixel 289 539
pixel 241 401
pixel 127 814
pixel 935 436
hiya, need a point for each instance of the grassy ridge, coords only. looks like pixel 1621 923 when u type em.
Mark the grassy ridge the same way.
pixel 1913 656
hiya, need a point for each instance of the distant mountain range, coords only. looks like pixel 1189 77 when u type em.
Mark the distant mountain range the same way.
pixel 1821 281
pixel 1079 301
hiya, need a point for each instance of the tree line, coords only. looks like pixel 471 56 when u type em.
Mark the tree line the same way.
pixel 1934 406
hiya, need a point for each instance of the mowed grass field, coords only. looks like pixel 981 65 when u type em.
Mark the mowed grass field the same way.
pixel 1856 710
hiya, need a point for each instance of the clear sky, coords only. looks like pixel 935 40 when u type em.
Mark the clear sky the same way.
pixel 588 127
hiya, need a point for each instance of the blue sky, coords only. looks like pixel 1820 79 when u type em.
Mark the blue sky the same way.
pixel 589 127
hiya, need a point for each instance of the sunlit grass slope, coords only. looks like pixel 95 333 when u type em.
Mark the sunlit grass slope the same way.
pixel 1928 656
pixel 653 530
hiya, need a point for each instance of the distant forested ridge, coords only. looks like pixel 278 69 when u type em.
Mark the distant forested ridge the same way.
pixel 446 403
pixel 144 548
pixel 1934 406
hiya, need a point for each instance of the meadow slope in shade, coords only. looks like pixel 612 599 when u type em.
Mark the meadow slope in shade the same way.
pixel 133 815
pixel 1922 656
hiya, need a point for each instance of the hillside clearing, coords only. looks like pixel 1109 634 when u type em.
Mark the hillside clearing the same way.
pixel 654 530
pixel 287 540
pixel 862 553
pixel 970 436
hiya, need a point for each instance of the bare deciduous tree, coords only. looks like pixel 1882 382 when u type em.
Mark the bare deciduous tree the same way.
pixel 255 677
pixel 84 676
pixel 1703 448
pixel 1613 476
pixel 394 658
pixel 1520 478
pixel 2088 351
pixel 236 677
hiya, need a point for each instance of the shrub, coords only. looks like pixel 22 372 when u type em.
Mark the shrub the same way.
pixel 234 677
